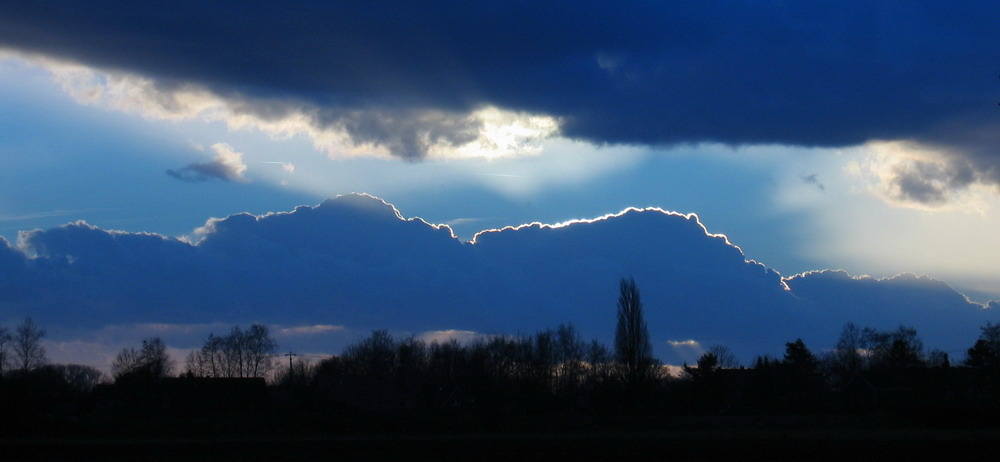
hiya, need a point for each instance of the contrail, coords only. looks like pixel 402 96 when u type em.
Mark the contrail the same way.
pixel 506 175
pixel 288 166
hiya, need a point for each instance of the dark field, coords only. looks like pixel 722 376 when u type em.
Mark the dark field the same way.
pixel 800 439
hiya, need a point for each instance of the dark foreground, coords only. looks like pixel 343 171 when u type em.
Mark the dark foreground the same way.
pixel 730 440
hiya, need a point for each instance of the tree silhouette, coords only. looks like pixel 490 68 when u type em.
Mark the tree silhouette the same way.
pixel 981 356
pixel 801 366
pixel 903 355
pixel 79 378
pixel 901 348
pixel 847 359
pixel 28 351
pixel 258 351
pixel 985 353
pixel 5 345
pixel 375 356
pixel 706 366
pixel 150 361
pixel 569 358
pixel 633 350
pixel 725 357
pixel 939 359
pixel 241 353
pixel 798 356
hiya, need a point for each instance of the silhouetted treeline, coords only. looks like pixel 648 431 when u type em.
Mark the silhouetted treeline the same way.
pixel 384 383
pixel 551 370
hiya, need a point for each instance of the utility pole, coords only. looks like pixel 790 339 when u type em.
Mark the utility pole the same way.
pixel 290 354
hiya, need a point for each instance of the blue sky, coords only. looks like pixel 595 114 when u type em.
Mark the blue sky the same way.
pixel 836 135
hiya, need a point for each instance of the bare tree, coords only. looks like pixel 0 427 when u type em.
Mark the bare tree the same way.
pixel 725 357
pixel 27 344
pixel 600 367
pixel 248 353
pixel 849 348
pixel 208 361
pixel 150 360
pixel 633 350
pixel 5 345
pixel 259 349
pixel 569 357
pixel 80 378
pixel 374 356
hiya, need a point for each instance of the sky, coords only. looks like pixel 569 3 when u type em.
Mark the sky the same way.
pixel 823 135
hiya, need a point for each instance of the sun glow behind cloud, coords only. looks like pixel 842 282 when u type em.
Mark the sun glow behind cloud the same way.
pixel 499 149
pixel 907 174
pixel 505 134
pixel 888 208
pixel 487 132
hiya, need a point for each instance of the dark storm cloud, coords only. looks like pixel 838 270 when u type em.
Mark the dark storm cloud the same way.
pixel 354 261
pixel 791 72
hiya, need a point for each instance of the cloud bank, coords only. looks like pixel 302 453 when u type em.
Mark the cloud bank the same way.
pixel 405 78
pixel 354 263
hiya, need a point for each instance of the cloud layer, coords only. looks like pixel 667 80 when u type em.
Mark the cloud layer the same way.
pixel 405 77
pixel 355 263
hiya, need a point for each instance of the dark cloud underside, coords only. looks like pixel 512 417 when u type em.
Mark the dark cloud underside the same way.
pixel 354 261
pixel 806 73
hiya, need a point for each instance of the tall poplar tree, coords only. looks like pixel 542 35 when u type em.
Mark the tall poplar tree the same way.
pixel 633 350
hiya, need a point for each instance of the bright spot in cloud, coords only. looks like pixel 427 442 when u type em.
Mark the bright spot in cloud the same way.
pixel 487 132
pixel 906 174
pixel 504 134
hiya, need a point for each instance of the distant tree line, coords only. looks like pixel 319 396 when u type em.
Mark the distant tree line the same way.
pixel 496 378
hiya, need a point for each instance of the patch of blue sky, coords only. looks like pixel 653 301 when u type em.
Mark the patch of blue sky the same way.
pixel 67 162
